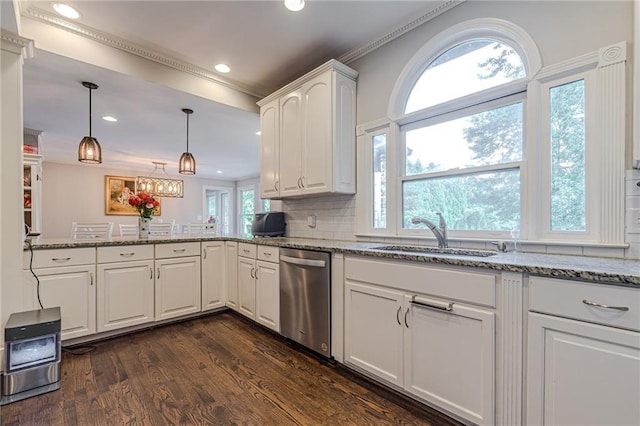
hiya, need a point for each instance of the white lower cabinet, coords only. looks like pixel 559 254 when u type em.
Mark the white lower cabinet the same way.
pixel 374 330
pixel 213 275
pixel 177 289
pixel 268 294
pixel 246 287
pixel 437 349
pixel 125 287
pixel 231 262
pixel 581 373
pixel 71 287
pixel 259 284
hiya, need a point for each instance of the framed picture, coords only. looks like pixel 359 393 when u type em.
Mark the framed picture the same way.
pixel 118 190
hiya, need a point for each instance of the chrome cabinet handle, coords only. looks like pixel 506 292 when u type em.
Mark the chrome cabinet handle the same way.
pixel 405 318
pixel 150 273
pixel 127 254
pixel 598 305
pixel 91 278
pixel 266 254
pixel 398 315
pixel 251 273
pixel 299 182
pixel 246 251
pixel 302 182
pixel 275 185
pixel 445 307
pixel 61 259
pixel 179 250
pixel 255 274
pixel 158 275
pixel 204 254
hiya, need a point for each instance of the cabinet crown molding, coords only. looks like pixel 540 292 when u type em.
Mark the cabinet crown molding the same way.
pixel 15 43
pixel 331 64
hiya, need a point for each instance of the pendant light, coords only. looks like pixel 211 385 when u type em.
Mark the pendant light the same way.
pixel 187 164
pixel 89 150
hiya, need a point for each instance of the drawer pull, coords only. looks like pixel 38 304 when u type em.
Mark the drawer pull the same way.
pixel 266 254
pixel 444 307
pixel 179 250
pixel 598 305
pixel 61 259
pixel 127 254
pixel 246 251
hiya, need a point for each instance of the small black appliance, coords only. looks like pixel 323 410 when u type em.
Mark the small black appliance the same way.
pixel 269 224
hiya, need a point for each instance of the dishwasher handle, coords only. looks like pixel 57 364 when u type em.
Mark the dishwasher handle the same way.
pixel 303 262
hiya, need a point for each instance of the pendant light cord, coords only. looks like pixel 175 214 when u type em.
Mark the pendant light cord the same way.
pixel 187 132
pixel 90 90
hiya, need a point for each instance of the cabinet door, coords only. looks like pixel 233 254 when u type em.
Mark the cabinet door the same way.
pixel 177 287
pixel 269 149
pixel 581 374
pixel 213 275
pixel 373 331
pixel 247 287
pixel 125 294
pixel 317 134
pixel 72 289
pixel 449 357
pixel 290 144
pixel 232 274
pixel 268 294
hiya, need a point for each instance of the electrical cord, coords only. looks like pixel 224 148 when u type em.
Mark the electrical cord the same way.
pixel 28 241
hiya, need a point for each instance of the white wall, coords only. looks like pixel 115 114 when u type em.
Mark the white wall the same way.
pixel 77 193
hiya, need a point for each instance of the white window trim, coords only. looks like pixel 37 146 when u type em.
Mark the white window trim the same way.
pixel 256 199
pixel 606 208
pixel 232 213
pixel 497 29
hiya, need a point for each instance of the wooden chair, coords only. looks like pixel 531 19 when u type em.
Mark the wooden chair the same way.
pixel 162 228
pixel 128 230
pixel 101 230
pixel 197 228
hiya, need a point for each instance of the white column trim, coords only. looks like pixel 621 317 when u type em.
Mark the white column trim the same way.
pixel 509 359
pixel 612 100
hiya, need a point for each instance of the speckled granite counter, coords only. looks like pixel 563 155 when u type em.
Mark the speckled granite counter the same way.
pixel 602 270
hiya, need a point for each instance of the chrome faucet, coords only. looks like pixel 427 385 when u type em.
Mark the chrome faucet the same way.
pixel 440 231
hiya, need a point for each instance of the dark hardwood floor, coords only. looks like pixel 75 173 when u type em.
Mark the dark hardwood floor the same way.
pixel 218 370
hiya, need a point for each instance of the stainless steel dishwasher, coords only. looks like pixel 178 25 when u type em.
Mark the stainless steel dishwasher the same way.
pixel 305 298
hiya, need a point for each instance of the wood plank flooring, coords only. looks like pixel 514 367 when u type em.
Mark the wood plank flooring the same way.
pixel 215 370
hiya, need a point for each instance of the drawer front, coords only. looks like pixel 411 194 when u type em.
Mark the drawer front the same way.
pixel 164 251
pixel 268 253
pixel 125 253
pixel 457 285
pixel 247 250
pixel 60 257
pixel 580 300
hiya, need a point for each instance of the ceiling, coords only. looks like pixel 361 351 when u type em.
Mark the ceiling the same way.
pixel 266 46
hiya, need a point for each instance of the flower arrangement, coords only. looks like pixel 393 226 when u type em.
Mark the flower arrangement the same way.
pixel 144 203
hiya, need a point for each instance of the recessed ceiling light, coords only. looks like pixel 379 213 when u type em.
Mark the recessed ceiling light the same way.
pixel 109 118
pixel 294 5
pixel 258 133
pixel 222 68
pixel 66 10
pixel 218 171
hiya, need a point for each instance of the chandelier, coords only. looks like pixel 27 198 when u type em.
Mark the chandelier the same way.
pixel 160 185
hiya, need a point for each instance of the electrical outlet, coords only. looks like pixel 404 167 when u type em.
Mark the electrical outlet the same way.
pixel 311 221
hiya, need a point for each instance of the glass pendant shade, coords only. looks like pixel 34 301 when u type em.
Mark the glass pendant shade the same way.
pixel 89 150
pixel 187 164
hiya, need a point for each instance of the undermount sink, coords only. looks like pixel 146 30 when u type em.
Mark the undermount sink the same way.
pixel 436 250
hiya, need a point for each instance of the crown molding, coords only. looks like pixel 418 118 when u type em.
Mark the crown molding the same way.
pixel 361 51
pixel 14 43
pixel 133 48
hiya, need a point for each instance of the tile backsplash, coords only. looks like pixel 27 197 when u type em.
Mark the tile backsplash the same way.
pixel 334 217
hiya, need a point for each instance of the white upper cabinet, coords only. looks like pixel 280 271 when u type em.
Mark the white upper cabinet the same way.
pixel 313 132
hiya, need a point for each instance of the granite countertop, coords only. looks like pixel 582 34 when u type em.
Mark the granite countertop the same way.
pixel 602 270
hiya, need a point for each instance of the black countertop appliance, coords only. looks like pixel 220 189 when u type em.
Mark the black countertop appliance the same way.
pixel 269 224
